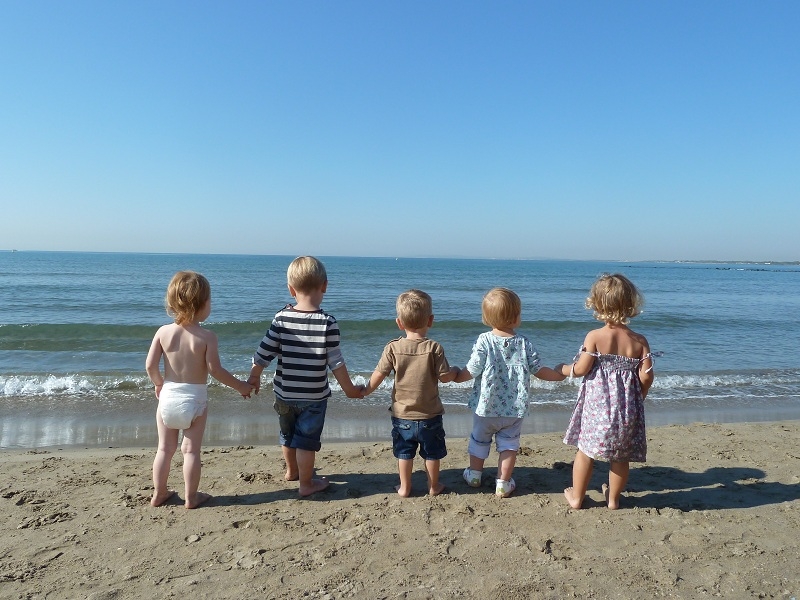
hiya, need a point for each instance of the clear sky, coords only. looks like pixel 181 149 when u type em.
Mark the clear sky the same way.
pixel 609 130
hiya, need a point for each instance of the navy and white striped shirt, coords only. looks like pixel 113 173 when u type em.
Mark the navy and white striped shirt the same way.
pixel 306 345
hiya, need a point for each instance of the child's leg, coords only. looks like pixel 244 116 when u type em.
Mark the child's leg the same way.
pixel 480 444
pixel 505 465
pixel 167 445
pixel 308 425
pixel 476 463
pixel 480 441
pixel 507 438
pixel 287 422
pixel 305 468
pixel 581 474
pixel 432 448
pixel 192 442
pixel 617 480
pixel 405 467
pixel 290 458
pixel 434 486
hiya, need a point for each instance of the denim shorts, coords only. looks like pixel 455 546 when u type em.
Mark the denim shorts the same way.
pixel 301 423
pixel 506 432
pixel 428 434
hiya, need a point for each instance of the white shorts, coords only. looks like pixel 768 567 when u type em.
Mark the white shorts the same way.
pixel 179 404
pixel 506 432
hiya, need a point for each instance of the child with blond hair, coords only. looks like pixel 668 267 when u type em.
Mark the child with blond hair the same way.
pixel 617 369
pixel 419 364
pixel 190 354
pixel 305 340
pixel 501 363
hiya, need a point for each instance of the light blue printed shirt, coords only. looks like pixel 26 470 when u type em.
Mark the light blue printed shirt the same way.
pixel 501 367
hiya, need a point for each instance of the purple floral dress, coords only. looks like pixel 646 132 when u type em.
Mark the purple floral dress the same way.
pixel 608 420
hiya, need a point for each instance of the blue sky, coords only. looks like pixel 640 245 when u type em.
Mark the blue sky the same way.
pixel 580 130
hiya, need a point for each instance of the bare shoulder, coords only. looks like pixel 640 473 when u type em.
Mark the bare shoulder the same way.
pixel 641 340
pixel 592 338
pixel 208 336
pixel 166 330
pixel 639 337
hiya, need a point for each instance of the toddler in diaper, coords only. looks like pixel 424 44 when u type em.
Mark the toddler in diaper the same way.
pixel 181 403
pixel 190 354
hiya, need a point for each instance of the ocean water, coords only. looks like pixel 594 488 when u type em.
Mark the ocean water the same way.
pixel 75 329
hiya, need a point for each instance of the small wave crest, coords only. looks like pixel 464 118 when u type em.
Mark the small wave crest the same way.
pixel 58 385
pixel 20 386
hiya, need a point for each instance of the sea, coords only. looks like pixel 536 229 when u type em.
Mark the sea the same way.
pixel 75 329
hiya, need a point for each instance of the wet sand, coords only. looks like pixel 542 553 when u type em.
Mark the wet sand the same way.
pixel 131 423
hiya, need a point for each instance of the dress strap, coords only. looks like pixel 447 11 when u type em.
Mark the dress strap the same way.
pixel 581 351
pixel 651 356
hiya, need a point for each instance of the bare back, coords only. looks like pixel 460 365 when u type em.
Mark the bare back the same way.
pixel 617 339
pixel 184 350
pixel 620 341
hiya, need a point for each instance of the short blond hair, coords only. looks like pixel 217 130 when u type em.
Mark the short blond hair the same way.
pixel 414 308
pixel 306 274
pixel 614 299
pixel 187 293
pixel 501 307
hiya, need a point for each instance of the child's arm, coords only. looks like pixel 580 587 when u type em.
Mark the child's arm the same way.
pixel 585 360
pixel 152 363
pixel 463 375
pixel 374 381
pixel 548 374
pixel 220 373
pixel 343 377
pixel 255 377
pixel 646 374
pixel 450 375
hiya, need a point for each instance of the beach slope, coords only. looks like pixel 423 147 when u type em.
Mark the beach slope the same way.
pixel 714 512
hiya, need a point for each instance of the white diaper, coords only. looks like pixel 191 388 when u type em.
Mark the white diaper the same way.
pixel 181 403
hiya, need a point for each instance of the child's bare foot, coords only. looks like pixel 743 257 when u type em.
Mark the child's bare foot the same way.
pixel 403 493
pixel 611 505
pixel 569 494
pixel 437 489
pixel 163 498
pixel 317 485
pixel 199 499
pixel 291 475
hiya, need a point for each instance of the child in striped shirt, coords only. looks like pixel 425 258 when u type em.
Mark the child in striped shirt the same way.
pixel 305 340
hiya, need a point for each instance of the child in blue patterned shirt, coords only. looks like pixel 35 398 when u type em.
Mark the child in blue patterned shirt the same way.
pixel 501 364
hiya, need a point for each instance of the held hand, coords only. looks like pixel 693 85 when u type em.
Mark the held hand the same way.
pixel 158 390
pixel 245 389
pixel 254 382
pixel 356 391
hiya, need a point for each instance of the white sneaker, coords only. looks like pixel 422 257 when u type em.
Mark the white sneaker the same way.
pixel 472 477
pixel 504 488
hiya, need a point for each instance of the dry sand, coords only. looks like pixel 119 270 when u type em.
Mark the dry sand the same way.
pixel 714 512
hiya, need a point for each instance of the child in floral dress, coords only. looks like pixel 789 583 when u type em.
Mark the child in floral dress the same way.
pixel 617 369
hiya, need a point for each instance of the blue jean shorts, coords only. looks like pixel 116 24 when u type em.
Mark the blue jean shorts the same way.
pixel 428 434
pixel 301 423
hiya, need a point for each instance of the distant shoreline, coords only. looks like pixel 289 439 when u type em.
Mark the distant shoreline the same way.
pixel 531 259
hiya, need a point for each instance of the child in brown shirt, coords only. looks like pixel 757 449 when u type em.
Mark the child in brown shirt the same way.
pixel 419 364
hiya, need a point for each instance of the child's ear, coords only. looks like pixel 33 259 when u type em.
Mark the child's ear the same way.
pixel 430 321
pixel 324 287
pixel 292 291
pixel 399 323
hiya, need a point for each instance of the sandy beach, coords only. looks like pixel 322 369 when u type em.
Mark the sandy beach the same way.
pixel 714 512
